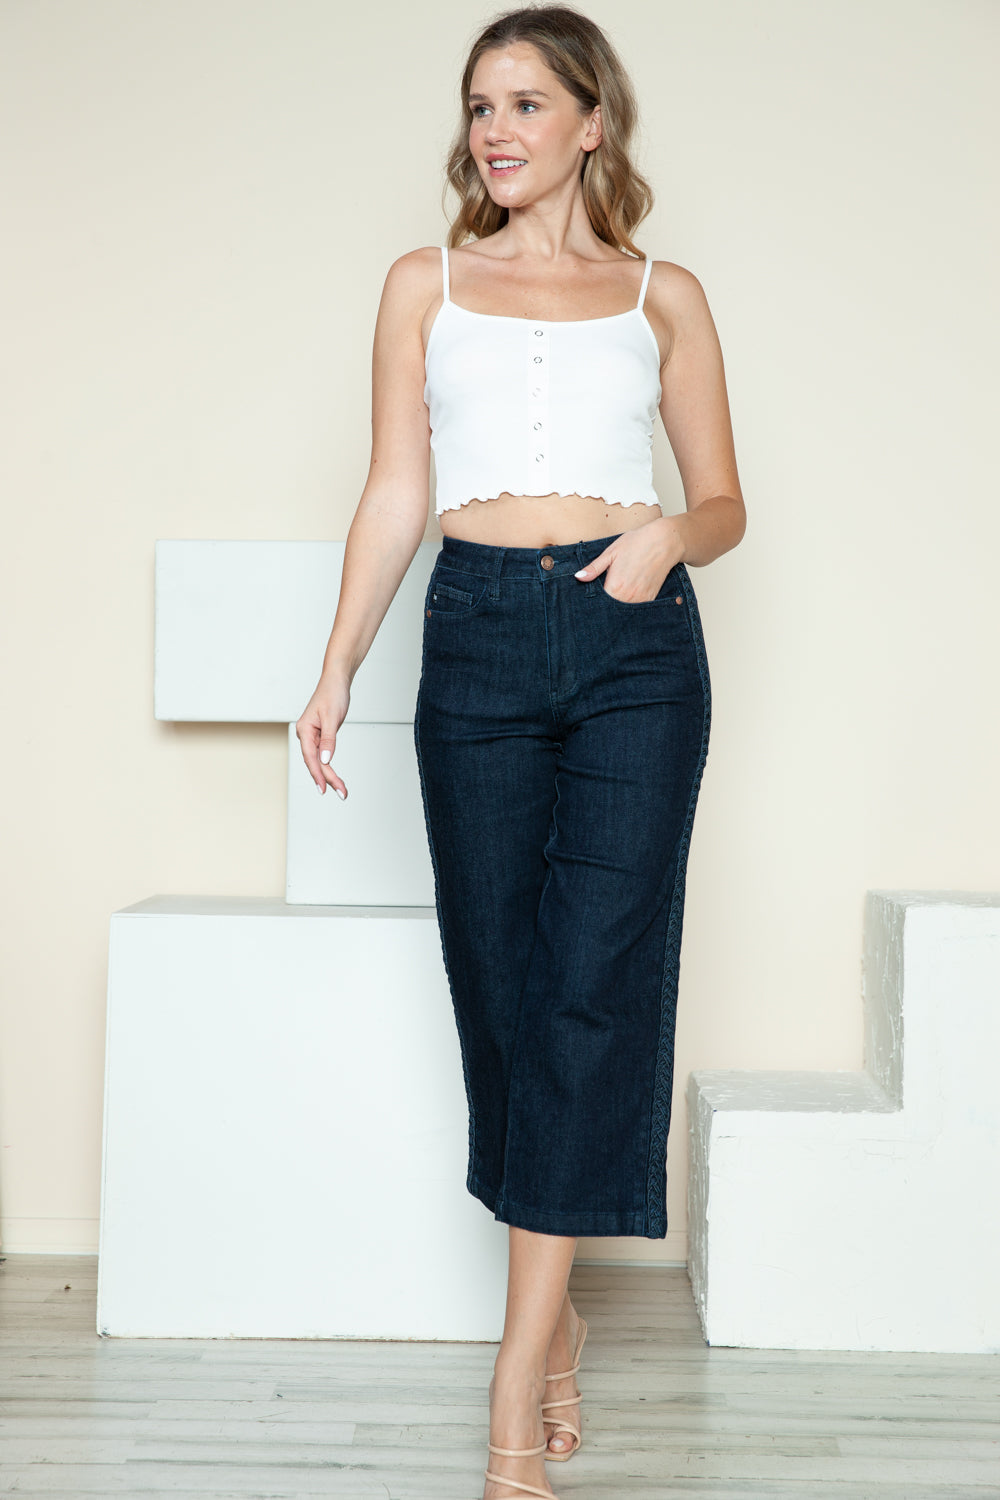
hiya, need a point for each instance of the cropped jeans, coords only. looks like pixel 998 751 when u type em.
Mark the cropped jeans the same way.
pixel 561 736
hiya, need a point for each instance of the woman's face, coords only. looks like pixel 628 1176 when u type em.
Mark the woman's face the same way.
pixel 527 135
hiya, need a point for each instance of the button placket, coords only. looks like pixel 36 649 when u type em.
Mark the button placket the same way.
pixel 537 375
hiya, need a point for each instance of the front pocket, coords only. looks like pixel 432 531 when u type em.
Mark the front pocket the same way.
pixel 671 593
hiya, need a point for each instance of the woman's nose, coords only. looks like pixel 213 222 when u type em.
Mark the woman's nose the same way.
pixel 498 131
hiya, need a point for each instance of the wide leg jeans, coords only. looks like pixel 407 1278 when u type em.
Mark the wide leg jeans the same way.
pixel 561 735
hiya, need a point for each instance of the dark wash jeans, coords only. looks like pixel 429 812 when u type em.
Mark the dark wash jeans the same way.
pixel 561 736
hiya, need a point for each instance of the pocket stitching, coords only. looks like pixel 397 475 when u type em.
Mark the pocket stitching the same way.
pixel 462 595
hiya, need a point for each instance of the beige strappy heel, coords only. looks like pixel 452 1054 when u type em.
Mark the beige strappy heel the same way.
pixel 515 1484
pixel 558 1422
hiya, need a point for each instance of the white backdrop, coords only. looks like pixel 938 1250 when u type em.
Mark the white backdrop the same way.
pixel 203 197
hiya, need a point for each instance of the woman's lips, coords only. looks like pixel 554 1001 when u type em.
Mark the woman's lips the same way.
pixel 497 171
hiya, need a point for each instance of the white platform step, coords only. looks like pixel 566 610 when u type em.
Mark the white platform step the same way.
pixel 862 1210
pixel 241 628
pixel 285 1129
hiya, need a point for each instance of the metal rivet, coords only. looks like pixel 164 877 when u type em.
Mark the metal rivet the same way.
pixel 428 614
pixel 537 425
pixel 679 600
pixel 538 359
pixel 538 333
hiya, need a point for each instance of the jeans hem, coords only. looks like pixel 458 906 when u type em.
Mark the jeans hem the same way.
pixel 591 1222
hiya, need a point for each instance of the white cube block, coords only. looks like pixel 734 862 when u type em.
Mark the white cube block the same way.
pixel 286 1131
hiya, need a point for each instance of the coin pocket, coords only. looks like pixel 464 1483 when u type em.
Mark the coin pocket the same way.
pixel 452 592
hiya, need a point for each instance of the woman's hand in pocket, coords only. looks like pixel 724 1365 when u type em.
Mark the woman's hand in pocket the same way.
pixel 317 730
pixel 637 562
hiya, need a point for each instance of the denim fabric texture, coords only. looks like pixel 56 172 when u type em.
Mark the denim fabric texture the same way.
pixel 561 735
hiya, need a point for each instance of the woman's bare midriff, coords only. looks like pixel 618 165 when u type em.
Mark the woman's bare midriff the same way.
pixel 542 520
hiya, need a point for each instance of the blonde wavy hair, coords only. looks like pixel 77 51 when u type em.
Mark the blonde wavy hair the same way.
pixel 616 196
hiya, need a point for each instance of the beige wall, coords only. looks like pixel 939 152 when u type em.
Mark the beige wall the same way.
pixel 202 199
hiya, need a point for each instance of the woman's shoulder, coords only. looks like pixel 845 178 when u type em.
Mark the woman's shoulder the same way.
pixel 412 281
pixel 673 280
pixel 413 266
pixel 674 291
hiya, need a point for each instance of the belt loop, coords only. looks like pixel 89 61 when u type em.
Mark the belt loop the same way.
pixel 590 586
pixel 495 580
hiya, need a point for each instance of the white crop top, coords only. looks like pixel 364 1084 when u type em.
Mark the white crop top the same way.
pixel 531 407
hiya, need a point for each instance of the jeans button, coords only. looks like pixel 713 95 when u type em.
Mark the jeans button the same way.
pixel 547 562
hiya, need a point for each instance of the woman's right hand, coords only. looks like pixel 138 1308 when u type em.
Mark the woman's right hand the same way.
pixel 318 726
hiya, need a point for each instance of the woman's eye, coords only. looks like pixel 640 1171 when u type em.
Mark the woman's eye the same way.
pixel 475 108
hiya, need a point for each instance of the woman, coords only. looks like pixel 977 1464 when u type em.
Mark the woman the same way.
pixel 562 718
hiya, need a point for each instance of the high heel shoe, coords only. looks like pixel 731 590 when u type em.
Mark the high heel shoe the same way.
pixel 515 1484
pixel 558 1422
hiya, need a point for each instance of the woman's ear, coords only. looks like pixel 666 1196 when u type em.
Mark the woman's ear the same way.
pixel 593 137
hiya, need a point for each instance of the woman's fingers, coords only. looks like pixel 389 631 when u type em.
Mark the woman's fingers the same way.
pixel 317 735
pixel 311 737
pixel 597 564
pixel 328 743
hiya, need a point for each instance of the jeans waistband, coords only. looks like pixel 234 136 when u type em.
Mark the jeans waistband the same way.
pixel 520 562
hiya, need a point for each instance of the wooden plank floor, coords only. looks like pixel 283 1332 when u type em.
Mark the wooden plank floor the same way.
pixel 665 1415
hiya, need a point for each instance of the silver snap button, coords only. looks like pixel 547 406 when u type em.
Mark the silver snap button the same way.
pixel 538 333
pixel 538 359
pixel 537 425
pixel 539 457
pixel 536 391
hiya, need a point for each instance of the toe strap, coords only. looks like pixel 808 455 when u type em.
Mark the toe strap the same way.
pixel 565 1427
pixel 561 1425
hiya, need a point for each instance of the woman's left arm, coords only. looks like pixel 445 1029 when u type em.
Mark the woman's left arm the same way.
pixel 694 406
pixel 695 410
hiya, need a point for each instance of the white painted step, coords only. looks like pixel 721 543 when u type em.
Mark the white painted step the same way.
pixel 862 1210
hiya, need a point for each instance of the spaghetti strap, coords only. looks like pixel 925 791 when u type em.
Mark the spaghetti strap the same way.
pixel 444 263
pixel 645 281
